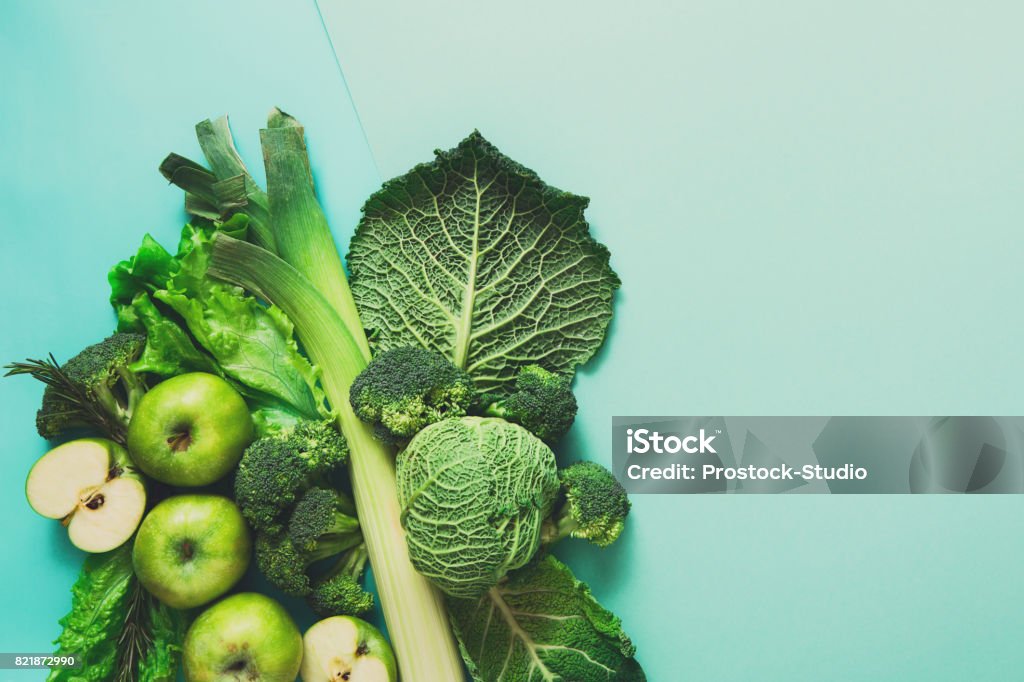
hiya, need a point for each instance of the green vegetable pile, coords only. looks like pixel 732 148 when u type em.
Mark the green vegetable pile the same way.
pixel 405 412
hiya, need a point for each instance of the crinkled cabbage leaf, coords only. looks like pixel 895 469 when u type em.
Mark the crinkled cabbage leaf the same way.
pixel 474 256
pixel 474 494
pixel 542 624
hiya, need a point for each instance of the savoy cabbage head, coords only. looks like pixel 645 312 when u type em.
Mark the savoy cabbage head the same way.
pixel 474 493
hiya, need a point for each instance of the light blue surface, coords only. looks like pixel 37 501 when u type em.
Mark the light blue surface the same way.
pixel 814 210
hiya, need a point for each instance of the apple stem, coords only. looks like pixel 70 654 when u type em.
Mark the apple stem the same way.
pixel 179 442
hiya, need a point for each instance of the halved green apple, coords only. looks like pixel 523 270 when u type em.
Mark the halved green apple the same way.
pixel 90 485
pixel 346 648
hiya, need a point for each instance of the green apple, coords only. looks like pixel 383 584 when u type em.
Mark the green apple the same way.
pixel 91 486
pixel 246 637
pixel 191 549
pixel 189 430
pixel 346 648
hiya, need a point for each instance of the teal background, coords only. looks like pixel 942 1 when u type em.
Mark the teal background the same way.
pixel 815 209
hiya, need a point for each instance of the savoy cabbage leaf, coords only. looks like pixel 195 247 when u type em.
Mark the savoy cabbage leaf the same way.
pixel 474 256
pixel 542 624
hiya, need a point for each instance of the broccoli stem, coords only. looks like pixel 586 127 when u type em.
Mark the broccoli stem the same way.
pixel 135 388
pixel 496 409
pixel 119 408
pixel 356 561
pixel 352 563
pixel 108 401
pixel 343 535
pixel 557 527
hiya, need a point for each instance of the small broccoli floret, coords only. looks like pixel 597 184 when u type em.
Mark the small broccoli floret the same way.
pixel 543 403
pixel 282 564
pixel 96 389
pixel 405 389
pixel 594 506
pixel 275 471
pixel 340 592
pixel 319 528
pixel 320 445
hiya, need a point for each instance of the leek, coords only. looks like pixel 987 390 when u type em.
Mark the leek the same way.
pixel 308 283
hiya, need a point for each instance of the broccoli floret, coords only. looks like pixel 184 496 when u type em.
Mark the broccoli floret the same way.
pixel 319 528
pixel 405 389
pixel 593 506
pixel 282 564
pixel 96 389
pixel 275 471
pixel 340 592
pixel 542 402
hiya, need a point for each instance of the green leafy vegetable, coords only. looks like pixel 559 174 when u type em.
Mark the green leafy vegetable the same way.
pixel 99 604
pixel 252 344
pixel 117 629
pixel 225 189
pixel 542 624
pixel 167 628
pixel 195 323
pixel 477 258
pixel 474 495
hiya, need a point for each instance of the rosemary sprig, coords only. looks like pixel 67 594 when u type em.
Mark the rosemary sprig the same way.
pixel 135 640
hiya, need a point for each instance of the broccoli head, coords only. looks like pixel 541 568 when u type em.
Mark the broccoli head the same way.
pixel 405 389
pixel 95 389
pixel 319 529
pixel 593 506
pixel 542 403
pixel 282 564
pixel 340 593
pixel 319 526
pixel 275 471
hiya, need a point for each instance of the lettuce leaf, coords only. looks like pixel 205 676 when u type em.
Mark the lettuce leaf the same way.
pixel 102 612
pixel 474 256
pixel 542 624
pixel 167 629
pixel 99 606
pixel 194 323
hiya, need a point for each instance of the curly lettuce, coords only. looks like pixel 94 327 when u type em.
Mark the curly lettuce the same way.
pixel 196 323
